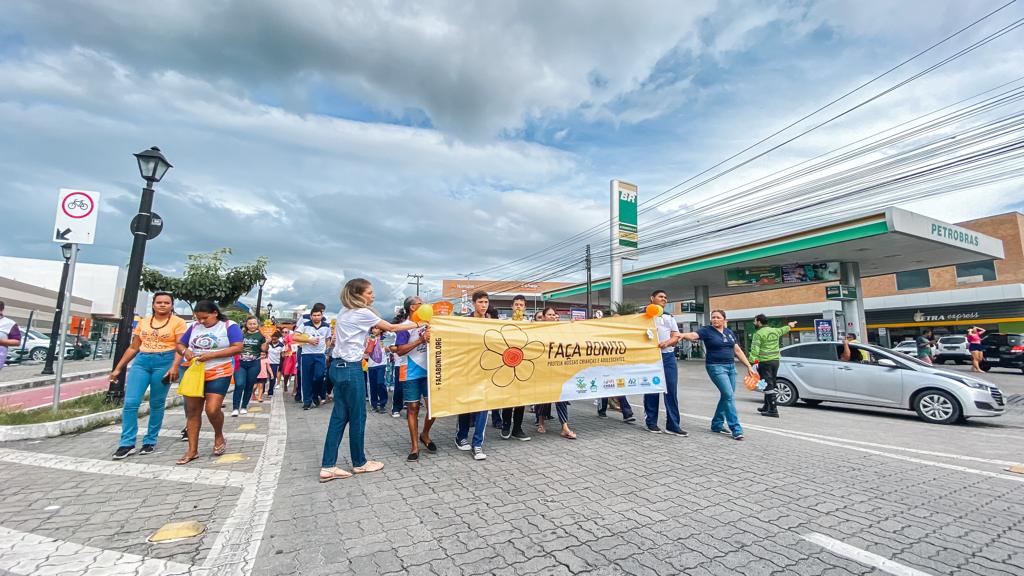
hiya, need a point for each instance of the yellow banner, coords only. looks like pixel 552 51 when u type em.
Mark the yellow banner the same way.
pixel 478 364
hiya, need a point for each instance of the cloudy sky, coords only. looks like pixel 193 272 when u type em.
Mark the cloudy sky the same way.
pixel 376 139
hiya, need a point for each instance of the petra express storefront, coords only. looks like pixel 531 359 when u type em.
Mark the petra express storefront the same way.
pixel 890 327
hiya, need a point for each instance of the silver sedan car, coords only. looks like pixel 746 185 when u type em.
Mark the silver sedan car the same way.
pixel 814 373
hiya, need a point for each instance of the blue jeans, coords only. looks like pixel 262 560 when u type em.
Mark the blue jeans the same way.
pixel 349 410
pixel 378 389
pixel 671 396
pixel 724 377
pixel 245 378
pixel 397 398
pixel 274 370
pixel 147 371
pixel 479 420
pixel 312 368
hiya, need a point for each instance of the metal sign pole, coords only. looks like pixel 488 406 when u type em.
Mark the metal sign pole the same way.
pixel 64 326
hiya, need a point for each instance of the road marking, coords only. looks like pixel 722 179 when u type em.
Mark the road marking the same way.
pixel 187 474
pixel 238 542
pixel 808 438
pixel 23 554
pixel 863 556
pixel 203 434
pixel 890 447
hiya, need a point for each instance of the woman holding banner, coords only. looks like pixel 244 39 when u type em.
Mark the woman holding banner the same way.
pixel 353 325
pixel 562 408
pixel 721 346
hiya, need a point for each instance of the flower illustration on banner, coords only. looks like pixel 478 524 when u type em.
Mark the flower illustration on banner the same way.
pixel 509 354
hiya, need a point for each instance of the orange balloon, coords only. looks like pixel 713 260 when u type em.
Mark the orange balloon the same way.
pixel 653 311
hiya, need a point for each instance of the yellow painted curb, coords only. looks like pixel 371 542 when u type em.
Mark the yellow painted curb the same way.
pixel 231 458
pixel 1016 469
pixel 244 427
pixel 255 409
pixel 177 531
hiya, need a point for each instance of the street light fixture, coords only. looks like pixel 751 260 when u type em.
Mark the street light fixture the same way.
pixel 152 167
pixel 270 311
pixel 65 250
pixel 259 297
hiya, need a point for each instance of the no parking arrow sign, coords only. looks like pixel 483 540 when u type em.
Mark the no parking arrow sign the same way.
pixel 77 211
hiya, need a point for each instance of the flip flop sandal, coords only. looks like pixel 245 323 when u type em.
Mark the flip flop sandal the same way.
pixel 185 460
pixel 542 430
pixel 431 447
pixel 370 466
pixel 219 451
pixel 328 474
pixel 569 435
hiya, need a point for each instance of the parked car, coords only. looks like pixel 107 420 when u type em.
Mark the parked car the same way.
pixel 812 372
pixel 1003 351
pixel 37 343
pixel 952 348
pixel 908 347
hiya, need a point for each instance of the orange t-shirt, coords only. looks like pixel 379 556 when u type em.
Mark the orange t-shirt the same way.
pixel 158 337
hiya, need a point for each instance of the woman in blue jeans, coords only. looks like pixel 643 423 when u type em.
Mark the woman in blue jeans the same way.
pixel 721 351
pixel 254 348
pixel 351 329
pixel 155 366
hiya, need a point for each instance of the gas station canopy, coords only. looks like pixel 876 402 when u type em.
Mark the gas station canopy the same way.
pixel 886 242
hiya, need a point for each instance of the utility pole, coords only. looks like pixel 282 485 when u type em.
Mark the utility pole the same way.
pixel 416 282
pixel 590 307
pixel 51 351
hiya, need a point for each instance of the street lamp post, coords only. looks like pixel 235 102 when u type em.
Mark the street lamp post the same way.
pixel 57 313
pixel 259 297
pixel 270 311
pixel 152 167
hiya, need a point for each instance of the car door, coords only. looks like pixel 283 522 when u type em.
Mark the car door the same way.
pixel 992 345
pixel 813 367
pixel 865 382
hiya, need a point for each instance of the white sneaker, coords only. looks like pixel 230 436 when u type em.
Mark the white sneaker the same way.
pixel 234 413
pixel 478 453
pixel 244 411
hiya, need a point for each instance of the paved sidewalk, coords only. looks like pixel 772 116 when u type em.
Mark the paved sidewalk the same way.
pixel 33 370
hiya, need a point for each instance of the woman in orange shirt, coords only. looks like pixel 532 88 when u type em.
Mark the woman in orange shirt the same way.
pixel 155 367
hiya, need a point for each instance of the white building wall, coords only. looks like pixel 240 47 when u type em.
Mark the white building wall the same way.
pixel 100 283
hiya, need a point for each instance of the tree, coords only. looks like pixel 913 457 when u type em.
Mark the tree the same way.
pixel 207 277
pixel 624 308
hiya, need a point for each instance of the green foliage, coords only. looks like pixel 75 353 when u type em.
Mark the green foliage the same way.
pixel 624 308
pixel 88 404
pixel 207 277
pixel 237 316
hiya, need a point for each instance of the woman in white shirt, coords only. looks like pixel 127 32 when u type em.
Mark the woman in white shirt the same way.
pixel 352 327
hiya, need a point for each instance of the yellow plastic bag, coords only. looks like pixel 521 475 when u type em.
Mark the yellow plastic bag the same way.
pixel 193 382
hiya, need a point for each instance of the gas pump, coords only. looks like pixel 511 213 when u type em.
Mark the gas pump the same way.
pixel 838 323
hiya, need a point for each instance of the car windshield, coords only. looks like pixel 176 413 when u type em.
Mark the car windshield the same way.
pixel 882 353
pixel 37 335
pixel 952 340
pixel 1014 339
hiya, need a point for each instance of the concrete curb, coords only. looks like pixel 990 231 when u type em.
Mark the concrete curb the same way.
pixel 39 381
pixel 72 425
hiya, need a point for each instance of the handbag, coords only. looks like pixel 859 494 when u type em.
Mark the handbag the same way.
pixel 193 382
pixel 377 355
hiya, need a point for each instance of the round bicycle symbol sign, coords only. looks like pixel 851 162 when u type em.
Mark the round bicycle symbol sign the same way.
pixel 77 205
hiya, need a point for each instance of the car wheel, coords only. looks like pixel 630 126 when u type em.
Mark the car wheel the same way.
pixel 811 402
pixel 937 407
pixel 985 366
pixel 939 360
pixel 787 394
pixel 38 354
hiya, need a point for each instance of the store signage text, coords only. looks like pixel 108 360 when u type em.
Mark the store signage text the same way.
pixel 922 317
pixel 955 234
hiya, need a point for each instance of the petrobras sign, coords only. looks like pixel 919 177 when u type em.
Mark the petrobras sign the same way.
pixel 913 224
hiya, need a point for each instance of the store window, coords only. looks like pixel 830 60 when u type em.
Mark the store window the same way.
pixel 913 279
pixel 984 271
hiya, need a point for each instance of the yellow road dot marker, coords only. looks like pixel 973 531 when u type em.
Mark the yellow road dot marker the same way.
pixel 255 409
pixel 231 458
pixel 1016 469
pixel 244 427
pixel 177 531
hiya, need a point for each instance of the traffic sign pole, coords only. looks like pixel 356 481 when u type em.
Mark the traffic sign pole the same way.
pixel 64 326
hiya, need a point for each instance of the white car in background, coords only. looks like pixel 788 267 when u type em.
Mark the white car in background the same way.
pixel 908 347
pixel 813 372
pixel 953 348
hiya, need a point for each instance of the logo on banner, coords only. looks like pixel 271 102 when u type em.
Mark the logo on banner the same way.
pixel 509 354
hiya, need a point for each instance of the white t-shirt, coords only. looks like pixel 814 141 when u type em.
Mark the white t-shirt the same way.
pixel 351 329
pixel 666 325
pixel 274 352
pixel 322 332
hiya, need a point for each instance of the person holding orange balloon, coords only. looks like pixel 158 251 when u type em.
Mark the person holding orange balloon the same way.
pixel 668 336
pixel 412 344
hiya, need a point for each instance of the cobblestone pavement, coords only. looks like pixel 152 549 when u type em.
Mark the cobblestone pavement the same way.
pixel 826 490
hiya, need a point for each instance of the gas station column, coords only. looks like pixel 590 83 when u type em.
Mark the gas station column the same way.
pixel 853 310
pixel 703 301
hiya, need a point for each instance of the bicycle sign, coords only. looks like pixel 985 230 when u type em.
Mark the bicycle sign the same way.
pixel 76 216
